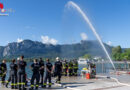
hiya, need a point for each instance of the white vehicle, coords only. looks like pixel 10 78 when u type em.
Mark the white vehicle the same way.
pixel 82 61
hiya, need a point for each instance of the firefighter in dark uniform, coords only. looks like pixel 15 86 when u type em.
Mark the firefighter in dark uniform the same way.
pixel 13 75
pixel 4 71
pixel 65 67
pixel 58 70
pixel 93 70
pixel 75 67
pixel 21 73
pixel 49 70
pixel 41 63
pixel 36 75
pixel 1 73
pixel 70 68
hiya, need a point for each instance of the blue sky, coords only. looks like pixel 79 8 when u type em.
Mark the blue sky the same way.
pixel 55 23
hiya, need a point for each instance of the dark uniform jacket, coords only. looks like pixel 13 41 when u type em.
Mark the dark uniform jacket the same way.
pixel 13 68
pixel 36 68
pixel 21 66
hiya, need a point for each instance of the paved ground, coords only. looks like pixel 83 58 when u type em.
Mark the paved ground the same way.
pixel 93 84
pixel 78 83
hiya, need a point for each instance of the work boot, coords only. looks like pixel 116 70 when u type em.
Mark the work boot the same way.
pixel 44 86
pixel 49 86
pixel 12 87
pixel 36 88
pixel 15 87
pixel 6 85
pixel 31 88
pixel 19 86
pixel 24 88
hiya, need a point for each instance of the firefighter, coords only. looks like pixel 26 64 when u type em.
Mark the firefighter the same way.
pixel 65 67
pixel 21 73
pixel 41 63
pixel 93 70
pixel 4 71
pixel 75 67
pixel 58 70
pixel 49 70
pixel 70 68
pixel 1 71
pixel 36 75
pixel 13 75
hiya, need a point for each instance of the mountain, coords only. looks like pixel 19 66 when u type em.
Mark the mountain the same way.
pixel 30 48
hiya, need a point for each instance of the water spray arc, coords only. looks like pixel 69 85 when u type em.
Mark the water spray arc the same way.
pixel 75 6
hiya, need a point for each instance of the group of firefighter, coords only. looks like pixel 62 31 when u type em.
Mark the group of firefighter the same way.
pixel 42 72
pixel 70 68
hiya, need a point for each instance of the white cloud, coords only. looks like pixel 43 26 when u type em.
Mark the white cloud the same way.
pixel 84 36
pixel 109 43
pixel 19 40
pixel 53 41
pixel 47 40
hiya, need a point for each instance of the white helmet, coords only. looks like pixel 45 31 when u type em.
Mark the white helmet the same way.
pixel 57 58
pixel 18 58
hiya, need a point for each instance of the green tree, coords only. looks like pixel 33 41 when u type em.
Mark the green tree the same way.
pixel 116 53
pixel 87 56
pixel 126 54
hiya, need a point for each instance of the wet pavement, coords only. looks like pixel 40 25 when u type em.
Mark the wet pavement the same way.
pixel 79 83
pixel 54 87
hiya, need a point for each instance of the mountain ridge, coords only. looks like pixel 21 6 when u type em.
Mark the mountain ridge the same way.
pixel 31 48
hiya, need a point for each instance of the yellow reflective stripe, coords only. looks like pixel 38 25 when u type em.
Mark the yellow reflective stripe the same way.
pixel 15 84
pixel 7 81
pixel 22 83
pixel 50 83
pixel 37 85
pixel 69 73
pixel 19 83
pixel 70 67
pixel 12 84
pixel 44 83
pixel 75 67
pixel 32 85
pixel 2 68
pixel 2 81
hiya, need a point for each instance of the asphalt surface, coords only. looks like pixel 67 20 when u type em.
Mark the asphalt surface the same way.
pixel 79 83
